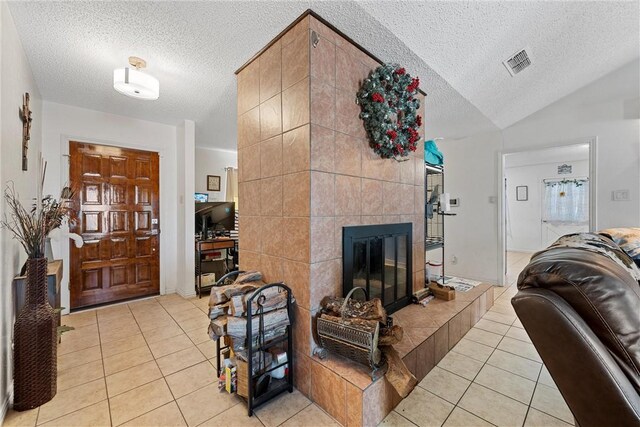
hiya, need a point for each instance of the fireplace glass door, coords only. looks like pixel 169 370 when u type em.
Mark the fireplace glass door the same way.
pixel 378 259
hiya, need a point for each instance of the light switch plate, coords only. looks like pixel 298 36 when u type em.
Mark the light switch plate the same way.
pixel 620 195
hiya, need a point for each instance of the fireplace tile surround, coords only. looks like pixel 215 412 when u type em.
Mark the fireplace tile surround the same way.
pixel 305 172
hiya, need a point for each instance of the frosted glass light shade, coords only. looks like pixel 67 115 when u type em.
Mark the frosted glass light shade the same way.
pixel 136 84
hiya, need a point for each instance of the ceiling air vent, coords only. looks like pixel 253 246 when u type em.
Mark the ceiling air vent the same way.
pixel 517 62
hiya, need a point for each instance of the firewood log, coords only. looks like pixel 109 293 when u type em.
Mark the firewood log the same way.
pixel 369 310
pixel 219 326
pixel 218 310
pixel 398 374
pixel 274 300
pixel 364 324
pixel 237 326
pixel 248 276
pixel 390 336
pixel 236 306
pixel 221 294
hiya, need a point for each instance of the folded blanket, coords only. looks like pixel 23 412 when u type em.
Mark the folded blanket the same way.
pixel 601 244
pixel 628 239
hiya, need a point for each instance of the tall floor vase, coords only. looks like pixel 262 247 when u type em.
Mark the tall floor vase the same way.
pixel 35 343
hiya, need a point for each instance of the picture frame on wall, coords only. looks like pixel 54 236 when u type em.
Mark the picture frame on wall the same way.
pixel 522 193
pixel 213 183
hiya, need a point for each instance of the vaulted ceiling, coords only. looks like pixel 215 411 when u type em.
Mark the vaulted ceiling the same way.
pixel 457 49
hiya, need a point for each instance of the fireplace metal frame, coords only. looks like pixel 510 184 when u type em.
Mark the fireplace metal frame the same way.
pixel 359 232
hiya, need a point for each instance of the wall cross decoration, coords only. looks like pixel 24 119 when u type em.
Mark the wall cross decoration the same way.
pixel 25 116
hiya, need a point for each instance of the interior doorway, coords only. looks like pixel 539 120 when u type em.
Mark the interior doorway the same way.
pixel 117 204
pixel 547 193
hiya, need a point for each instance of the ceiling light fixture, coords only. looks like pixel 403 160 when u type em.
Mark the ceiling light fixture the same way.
pixel 134 82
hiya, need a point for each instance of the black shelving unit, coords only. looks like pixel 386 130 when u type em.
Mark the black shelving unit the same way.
pixel 276 386
pixel 434 217
pixel 203 248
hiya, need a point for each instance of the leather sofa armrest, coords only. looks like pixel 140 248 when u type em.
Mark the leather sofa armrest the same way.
pixel 593 384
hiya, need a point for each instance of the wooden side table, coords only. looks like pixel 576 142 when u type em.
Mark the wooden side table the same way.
pixel 206 247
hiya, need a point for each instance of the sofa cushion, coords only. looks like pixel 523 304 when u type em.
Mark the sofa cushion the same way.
pixel 600 282
pixel 628 239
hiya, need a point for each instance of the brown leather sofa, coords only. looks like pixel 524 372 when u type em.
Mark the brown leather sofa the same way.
pixel 579 301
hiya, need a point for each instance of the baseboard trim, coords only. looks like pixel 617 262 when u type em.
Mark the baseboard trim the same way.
pixel 6 404
pixel 526 251
pixel 186 294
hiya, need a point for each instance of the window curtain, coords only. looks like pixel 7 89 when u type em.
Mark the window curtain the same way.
pixel 231 193
pixel 566 202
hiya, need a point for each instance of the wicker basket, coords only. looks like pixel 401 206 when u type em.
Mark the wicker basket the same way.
pixel 35 343
pixel 356 343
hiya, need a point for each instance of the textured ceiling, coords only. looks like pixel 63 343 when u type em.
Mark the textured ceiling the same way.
pixel 571 44
pixel 194 48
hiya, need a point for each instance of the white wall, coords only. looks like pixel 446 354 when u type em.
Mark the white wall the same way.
pixel 604 110
pixel 524 218
pixel 62 123
pixel 186 209
pixel 212 162
pixel 470 175
pixel 15 79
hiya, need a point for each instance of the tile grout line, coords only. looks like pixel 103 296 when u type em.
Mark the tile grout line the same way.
pixel 468 387
pixel 161 373
pixel 162 377
pixel 473 381
pixel 86 382
pixel 486 363
pixel 104 372
pixel 535 387
pixel 408 420
pixel 306 406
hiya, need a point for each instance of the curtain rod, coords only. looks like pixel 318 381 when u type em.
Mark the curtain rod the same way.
pixel 565 179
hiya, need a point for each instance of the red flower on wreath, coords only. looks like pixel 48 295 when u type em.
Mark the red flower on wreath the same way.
pixel 392 134
pixel 376 97
pixel 401 71
pixel 413 135
pixel 415 82
pixel 419 120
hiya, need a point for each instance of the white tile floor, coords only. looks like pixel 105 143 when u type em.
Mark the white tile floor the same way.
pixel 150 363
pixel 493 376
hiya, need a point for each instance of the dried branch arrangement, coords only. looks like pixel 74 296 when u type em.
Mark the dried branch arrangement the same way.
pixel 32 226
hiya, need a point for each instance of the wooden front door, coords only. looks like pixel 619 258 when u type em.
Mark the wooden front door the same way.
pixel 117 205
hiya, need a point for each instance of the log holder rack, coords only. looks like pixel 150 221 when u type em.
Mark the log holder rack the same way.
pixel 252 400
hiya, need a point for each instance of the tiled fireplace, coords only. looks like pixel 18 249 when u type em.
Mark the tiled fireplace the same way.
pixel 305 172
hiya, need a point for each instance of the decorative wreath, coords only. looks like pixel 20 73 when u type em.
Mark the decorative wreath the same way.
pixel 389 111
